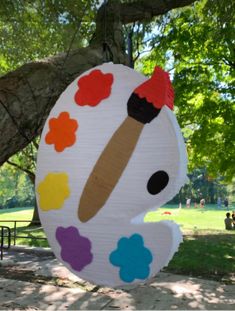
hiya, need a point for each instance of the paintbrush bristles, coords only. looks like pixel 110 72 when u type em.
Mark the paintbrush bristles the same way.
pixel 157 90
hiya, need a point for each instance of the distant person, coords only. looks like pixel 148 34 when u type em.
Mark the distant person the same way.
pixel 219 202
pixel 233 218
pixel 226 203
pixel 228 222
pixel 202 203
pixel 188 203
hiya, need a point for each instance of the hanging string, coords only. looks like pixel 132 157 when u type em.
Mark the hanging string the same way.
pixel 20 129
pixel 105 21
pixel 130 49
pixel 68 51
pixel 107 52
pixel 75 34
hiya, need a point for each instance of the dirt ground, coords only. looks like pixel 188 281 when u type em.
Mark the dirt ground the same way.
pixel 36 280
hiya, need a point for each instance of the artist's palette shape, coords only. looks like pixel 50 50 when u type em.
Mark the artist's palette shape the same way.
pixel 65 161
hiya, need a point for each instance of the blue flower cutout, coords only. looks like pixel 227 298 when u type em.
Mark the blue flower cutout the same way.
pixel 132 257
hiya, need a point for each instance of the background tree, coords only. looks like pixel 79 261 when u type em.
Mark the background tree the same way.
pixel 25 162
pixel 16 189
pixel 201 185
pixel 197 45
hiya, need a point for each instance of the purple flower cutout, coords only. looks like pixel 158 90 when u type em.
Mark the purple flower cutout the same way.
pixel 75 249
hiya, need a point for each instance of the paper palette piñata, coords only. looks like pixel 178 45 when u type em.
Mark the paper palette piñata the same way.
pixel 111 150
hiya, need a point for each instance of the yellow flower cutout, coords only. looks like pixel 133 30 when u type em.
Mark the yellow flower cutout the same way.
pixel 53 191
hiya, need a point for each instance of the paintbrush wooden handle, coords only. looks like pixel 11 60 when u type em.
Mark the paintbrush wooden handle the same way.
pixel 143 106
pixel 108 168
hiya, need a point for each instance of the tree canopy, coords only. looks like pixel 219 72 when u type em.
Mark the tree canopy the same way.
pixel 197 46
pixel 194 41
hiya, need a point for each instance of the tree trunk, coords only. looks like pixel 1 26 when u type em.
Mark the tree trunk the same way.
pixel 35 219
pixel 31 176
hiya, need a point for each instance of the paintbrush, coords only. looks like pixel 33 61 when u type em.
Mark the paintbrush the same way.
pixel 143 106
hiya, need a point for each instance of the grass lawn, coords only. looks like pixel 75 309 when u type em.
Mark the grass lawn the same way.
pixel 208 249
pixel 191 220
pixel 22 227
pixel 210 256
pixel 20 213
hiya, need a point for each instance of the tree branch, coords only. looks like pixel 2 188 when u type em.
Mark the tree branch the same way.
pixel 28 94
pixel 141 10
pixel 28 172
pixel 23 112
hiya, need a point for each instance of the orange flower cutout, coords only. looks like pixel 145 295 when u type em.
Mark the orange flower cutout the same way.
pixel 93 88
pixel 62 132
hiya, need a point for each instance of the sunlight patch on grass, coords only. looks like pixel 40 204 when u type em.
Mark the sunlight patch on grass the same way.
pixel 22 213
pixel 190 219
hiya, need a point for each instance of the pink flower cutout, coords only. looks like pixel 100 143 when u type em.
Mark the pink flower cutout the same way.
pixel 93 88
pixel 61 131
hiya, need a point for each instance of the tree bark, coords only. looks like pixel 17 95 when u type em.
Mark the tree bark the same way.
pixel 141 10
pixel 35 219
pixel 28 94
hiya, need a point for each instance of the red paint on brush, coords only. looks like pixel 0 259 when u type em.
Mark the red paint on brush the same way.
pixel 157 90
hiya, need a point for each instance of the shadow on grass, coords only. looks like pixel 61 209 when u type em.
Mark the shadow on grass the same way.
pixel 210 256
pixel 30 236
pixel 16 209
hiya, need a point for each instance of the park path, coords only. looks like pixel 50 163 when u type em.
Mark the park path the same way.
pixel 36 280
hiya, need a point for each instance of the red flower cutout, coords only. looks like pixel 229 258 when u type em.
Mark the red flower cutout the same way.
pixel 62 131
pixel 93 88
